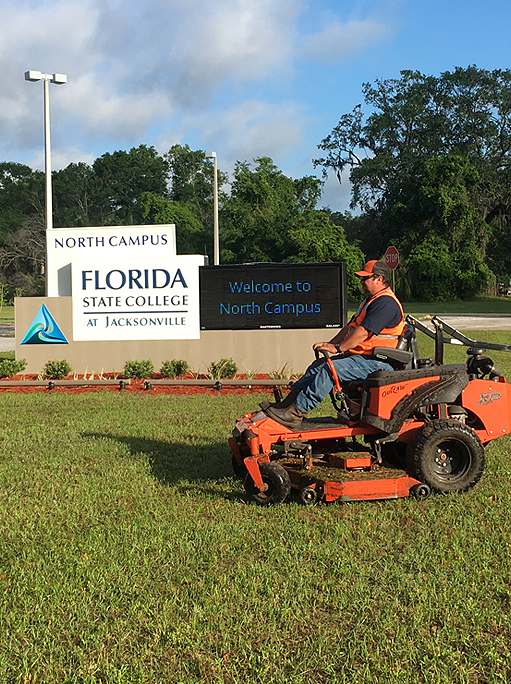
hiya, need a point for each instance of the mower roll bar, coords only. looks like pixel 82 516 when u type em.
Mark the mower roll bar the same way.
pixel 442 326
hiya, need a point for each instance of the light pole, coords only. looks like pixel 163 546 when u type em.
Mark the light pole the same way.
pixel 216 238
pixel 59 79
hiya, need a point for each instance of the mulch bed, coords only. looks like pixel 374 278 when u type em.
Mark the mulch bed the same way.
pixel 135 387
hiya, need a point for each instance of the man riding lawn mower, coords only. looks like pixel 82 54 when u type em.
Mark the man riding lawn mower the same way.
pixel 379 322
pixel 423 424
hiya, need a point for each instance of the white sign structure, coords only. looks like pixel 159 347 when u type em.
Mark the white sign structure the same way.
pixel 115 243
pixel 144 298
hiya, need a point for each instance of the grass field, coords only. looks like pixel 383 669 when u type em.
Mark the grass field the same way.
pixel 129 555
pixel 491 305
pixel 494 305
pixel 7 314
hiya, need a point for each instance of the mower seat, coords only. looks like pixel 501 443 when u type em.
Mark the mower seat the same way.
pixel 399 359
pixel 404 356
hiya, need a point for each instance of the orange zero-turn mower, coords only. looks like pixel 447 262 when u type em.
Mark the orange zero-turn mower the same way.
pixel 420 428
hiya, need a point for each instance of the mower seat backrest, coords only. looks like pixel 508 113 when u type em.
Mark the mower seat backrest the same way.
pixel 404 356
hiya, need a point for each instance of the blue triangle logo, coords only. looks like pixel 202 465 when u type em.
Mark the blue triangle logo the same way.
pixel 44 330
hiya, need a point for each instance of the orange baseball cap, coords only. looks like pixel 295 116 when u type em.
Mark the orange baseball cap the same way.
pixel 374 267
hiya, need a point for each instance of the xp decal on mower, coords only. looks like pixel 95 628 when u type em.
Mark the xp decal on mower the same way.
pixel 420 428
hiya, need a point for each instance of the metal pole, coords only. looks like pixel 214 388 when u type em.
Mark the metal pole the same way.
pixel 216 246
pixel 47 156
pixel 58 79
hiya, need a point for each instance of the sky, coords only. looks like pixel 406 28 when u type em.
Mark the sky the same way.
pixel 243 78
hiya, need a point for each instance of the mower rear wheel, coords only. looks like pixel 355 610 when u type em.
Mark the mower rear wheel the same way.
pixel 446 455
pixel 277 483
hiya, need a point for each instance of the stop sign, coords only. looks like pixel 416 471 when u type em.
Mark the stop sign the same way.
pixel 392 257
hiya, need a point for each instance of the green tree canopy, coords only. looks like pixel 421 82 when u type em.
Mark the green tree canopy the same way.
pixel 21 197
pixel 271 217
pixel 125 176
pixel 190 182
pixel 191 236
pixel 264 206
pixel 79 198
pixel 190 176
pixel 433 154
pixel 315 239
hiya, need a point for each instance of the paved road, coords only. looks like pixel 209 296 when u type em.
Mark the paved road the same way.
pixel 7 344
pixel 7 337
pixel 461 322
pixel 476 321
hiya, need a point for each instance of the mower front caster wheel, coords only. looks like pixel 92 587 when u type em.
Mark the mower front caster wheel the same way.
pixel 276 481
pixel 308 496
pixel 421 491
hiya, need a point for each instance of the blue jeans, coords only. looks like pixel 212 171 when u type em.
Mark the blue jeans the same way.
pixel 317 381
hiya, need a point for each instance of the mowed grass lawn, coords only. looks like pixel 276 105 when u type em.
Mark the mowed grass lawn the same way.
pixel 483 305
pixel 129 554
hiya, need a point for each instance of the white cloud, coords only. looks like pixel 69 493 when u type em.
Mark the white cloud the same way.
pixel 49 38
pixel 254 129
pixel 61 157
pixel 104 113
pixel 245 39
pixel 195 47
pixel 159 69
pixel 340 41
pixel 52 32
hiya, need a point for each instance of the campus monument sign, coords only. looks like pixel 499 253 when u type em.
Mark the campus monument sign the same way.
pixel 122 292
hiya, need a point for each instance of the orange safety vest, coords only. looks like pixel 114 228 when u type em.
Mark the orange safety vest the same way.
pixel 388 337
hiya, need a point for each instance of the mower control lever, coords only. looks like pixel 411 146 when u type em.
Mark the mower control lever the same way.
pixel 337 394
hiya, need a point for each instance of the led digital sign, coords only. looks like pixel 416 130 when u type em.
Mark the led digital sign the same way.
pixel 256 296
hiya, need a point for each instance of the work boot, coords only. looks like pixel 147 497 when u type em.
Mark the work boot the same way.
pixel 287 401
pixel 290 417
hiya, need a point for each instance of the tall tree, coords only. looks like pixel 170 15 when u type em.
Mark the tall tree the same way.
pixel 79 198
pixel 270 217
pixel 125 176
pixel 190 177
pixel 433 154
pixel 316 238
pixel 191 237
pixel 263 207
pixel 22 229
pixel 21 197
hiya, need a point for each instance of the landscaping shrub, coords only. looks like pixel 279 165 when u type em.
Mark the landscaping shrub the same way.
pixel 137 370
pixel 174 369
pixel 57 369
pixel 10 367
pixel 225 368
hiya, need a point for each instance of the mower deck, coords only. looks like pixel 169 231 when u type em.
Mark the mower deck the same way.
pixel 348 479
